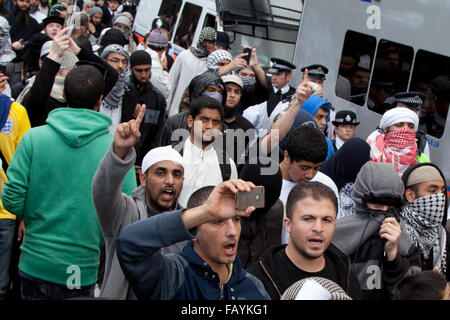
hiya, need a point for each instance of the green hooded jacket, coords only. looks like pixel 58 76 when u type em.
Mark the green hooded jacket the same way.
pixel 50 187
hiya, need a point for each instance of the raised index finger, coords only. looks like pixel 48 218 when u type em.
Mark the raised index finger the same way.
pixel 140 115
pixel 305 76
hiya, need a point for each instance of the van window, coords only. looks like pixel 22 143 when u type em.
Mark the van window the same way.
pixel 431 77
pixel 354 69
pixel 210 21
pixel 187 25
pixel 390 74
pixel 169 12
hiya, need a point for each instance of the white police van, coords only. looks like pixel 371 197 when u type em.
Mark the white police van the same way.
pixel 399 45
pixel 403 44
pixel 185 18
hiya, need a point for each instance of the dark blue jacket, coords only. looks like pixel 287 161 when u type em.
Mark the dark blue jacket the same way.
pixel 181 276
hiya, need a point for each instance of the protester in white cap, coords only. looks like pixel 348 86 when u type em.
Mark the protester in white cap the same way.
pixel 234 120
pixel 395 139
pixel 161 183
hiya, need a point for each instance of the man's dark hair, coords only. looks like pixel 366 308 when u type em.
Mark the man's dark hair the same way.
pixel 307 144
pixel 325 108
pixel 83 87
pixel 313 189
pixel 425 285
pixel 204 102
pixel 199 197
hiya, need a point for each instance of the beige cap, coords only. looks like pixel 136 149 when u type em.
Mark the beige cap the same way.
pixel 423 174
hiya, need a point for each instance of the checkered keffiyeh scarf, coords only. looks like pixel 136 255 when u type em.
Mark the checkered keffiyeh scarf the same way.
pixel 346 203
pixel 423 220
pixel 217 56
pixel 398 148
pixel 207 33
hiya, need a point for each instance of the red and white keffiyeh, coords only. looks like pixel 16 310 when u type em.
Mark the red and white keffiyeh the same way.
pixel 398 148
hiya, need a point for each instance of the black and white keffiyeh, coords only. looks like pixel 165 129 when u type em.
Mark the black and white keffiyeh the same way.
pixel 423 220
pixel 346 203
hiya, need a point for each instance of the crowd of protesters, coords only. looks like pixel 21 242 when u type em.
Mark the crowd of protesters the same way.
pixel 121 164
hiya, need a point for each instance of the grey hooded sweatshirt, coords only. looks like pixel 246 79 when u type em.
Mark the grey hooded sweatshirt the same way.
pixel 116 210
pixel 357 235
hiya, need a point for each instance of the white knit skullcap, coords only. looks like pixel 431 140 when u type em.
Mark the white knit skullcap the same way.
pixel 161 154
pixel 399 114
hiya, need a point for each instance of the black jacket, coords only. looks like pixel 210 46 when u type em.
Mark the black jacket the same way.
pixel 38 101
pixel 154 118
pixel 267 269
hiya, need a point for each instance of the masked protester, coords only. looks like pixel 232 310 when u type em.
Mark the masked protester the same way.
pixel 395 140
pixel 425 214
pixel 379 247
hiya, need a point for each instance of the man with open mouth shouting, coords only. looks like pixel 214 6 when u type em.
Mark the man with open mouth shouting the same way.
pixel 208 268
pixel 161 183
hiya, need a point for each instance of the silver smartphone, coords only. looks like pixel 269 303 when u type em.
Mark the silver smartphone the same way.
pixel 255 198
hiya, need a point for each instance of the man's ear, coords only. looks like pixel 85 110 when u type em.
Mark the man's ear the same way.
pixel 410 195
pixel 287 224
pixel 286 156
pixel 190 121
pixel 97 105
pixel 142 179
pixel 289 76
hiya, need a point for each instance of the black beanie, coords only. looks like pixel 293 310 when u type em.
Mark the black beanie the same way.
pixel 140 57
pixel 113 36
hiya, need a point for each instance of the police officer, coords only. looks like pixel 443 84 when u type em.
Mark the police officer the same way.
pixel 281 74
pixel 414 101
pixel 344 127
pixel 316 73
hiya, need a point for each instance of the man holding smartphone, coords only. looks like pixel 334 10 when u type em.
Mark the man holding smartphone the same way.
pixel 208 268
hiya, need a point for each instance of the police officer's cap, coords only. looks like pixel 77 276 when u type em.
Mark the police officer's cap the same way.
pixel 279 65
pixel 316 71
pixel 345 117
pixel 413 100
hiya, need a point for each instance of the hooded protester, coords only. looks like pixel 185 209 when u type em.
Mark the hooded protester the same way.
pixel 395 140
pixel 425 215
pixel 124 23
pixel 343 168
pixel 112 104
pixel 320 109
pixel 95 24
pixel 206 84
pixel 262 229
pixel 110 36
pixel 188 64
pixel 379 247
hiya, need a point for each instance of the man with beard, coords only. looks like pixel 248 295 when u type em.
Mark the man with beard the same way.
pixel 311 218
pixel 117 57
pixel 189 64
pixel 238 130
pixel 23 26
pixel 34 11
pixel 204 160
pixel 161 184
pixel 139 90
